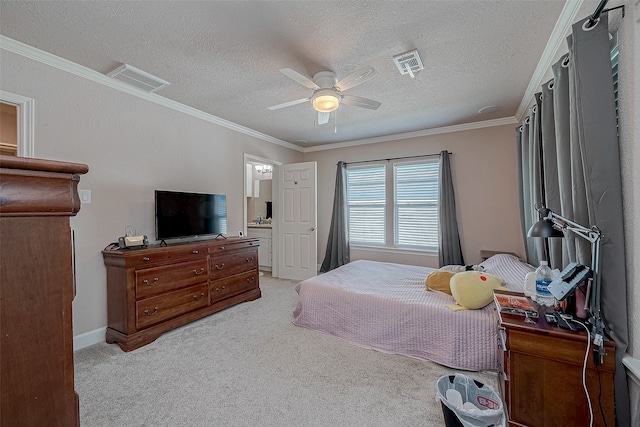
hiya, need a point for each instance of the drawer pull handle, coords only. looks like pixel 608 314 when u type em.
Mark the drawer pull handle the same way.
pixel 199 272
pixel 250 259
pixel 195 252
pixel 145 258
pixel 197 297
pixel 220 267
pixel 223 288
pixel 251 279
pixel 222 248
pixel 146 282
pixel 151 314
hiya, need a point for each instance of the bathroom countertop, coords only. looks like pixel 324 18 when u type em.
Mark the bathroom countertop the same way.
pixel 256 225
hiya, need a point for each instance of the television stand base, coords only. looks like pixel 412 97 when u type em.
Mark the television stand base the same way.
pixel 221 235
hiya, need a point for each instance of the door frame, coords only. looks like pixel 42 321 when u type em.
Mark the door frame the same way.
pixel 248 158
pixel 25 126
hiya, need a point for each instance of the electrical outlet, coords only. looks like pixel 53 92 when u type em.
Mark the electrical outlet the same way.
pixel 85 196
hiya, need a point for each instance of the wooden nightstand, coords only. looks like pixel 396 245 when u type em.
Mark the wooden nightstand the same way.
pixel 541 375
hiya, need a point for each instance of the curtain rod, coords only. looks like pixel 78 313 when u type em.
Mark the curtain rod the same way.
pixel 599 10
pixel 396 158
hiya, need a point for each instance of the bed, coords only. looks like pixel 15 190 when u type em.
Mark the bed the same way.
pixel 385 307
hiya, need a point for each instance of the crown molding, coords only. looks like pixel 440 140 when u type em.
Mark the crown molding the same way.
pixel 561 28
pixel 558 35
pixel 416 134
pixel 47 58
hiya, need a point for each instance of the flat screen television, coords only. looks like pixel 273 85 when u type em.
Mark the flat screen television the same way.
pixel 180 215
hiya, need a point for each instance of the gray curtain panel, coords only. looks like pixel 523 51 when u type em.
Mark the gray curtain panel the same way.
pixel 581 179
pixel 529 165
pixel 337 252
pixel 558 256
pixel 450 251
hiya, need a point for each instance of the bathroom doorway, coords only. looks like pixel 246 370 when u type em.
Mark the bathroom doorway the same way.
pixel 260 219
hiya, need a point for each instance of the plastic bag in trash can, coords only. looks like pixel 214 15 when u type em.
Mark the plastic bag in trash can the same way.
pixel 473 403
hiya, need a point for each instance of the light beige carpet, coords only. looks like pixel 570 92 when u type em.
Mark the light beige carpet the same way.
pixel 250 366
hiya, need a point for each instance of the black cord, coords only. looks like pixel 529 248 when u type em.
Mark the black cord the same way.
pixel 604 420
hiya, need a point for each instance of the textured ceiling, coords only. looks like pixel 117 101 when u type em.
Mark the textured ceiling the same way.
pixel 223 57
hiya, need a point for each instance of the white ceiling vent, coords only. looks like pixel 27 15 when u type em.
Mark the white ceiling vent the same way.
pixel 408 62
pixel 137 78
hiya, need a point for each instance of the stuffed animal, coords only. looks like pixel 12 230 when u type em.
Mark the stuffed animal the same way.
pixel 473 289
pixel 461 268
pixel 438 280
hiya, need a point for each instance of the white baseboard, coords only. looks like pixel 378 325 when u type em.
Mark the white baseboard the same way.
pixel 89 338
pixel 633 368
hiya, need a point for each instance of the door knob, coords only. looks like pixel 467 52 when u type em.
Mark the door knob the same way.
pixel 311 229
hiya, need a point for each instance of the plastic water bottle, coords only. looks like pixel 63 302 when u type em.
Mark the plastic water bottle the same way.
pixel 543 278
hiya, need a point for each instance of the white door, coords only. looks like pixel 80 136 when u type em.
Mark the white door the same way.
pixel 297 236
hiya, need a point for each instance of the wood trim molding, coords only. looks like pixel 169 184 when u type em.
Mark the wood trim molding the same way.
pixel 25 108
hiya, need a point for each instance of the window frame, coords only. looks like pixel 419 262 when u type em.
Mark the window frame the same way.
pixel 370 166
pixel 390 222
pixel 396 221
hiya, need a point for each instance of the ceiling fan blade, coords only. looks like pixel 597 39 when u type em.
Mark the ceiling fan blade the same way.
pixel 356 78
pixel 323 117
pixel 288 104
pixel 303 80
pixel 358 101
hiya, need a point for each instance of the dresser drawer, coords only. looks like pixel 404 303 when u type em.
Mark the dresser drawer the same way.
pixel 235 285
pixel 151 311
pixel 225 265
pixel 144 257
pixel 226 247
pixel 156 280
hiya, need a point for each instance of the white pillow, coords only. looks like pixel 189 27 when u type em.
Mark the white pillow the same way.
pixel 510 268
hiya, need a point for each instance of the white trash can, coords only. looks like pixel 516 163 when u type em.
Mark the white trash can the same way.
pixel 469 403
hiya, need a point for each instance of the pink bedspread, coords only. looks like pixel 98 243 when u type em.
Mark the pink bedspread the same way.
pixel 385 307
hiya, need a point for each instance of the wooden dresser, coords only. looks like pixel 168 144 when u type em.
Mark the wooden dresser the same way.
pixel 37 287
pixel 541 375
pixel 158 288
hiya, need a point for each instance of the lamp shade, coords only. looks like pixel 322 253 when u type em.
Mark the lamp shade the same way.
pixel 544 228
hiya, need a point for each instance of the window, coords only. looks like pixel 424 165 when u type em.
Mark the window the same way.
pixel 416 205
pixel 614 69
pixel 409 190
pixel 366 205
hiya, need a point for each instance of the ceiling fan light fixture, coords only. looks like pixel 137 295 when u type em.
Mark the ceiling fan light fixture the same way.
pixel 325 101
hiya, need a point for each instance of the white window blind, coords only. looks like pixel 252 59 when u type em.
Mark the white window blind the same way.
pixel 366 192
pixel 416 205
pixel 614 68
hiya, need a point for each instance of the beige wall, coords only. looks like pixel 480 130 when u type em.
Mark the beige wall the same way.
pixel 484 169
pixel 132 147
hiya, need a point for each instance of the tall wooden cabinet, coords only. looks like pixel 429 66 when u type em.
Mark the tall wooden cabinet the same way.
pixel 37 288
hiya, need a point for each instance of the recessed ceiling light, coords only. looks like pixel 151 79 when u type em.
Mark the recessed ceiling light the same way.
pixel 489 109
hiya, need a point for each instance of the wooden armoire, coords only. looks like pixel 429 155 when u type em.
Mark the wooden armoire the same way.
pixel 37 287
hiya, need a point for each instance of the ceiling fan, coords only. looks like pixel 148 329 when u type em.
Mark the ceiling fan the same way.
pixel 327 90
